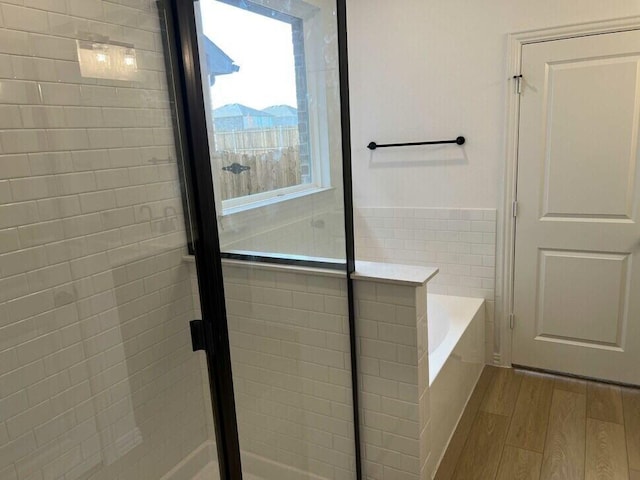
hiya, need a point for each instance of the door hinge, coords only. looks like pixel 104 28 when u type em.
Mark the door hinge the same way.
pixel 514 208
pixel 518 84
pixel 512 320
pixel 197 335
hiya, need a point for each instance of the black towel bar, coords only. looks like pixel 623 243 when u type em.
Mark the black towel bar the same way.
pixel 457 141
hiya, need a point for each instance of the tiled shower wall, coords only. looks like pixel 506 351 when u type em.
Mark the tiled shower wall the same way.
pixel 460 242
pixel 97 377
pixel 290 355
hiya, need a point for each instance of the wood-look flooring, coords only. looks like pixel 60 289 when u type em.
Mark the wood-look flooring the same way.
pixel 521 425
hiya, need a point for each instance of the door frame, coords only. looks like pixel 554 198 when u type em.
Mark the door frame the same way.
pixel 510 179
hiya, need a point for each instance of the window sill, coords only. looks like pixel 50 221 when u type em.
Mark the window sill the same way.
pixel 226 212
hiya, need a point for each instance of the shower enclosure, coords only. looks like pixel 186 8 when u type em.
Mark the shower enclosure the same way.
pixel 173 177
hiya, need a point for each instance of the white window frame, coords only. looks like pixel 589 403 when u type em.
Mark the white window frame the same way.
pixel 318 135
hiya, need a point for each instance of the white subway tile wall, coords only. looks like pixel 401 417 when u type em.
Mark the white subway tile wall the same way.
pixel 291 363
pixel 461 242
pixel 97 377
pixel 391 322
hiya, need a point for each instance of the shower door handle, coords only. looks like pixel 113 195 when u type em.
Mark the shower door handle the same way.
pixel 197 335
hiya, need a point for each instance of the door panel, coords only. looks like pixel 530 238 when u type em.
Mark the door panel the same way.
pixel 584 128
pixel 582 296
pixel 577 232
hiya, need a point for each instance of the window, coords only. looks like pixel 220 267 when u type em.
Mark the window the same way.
pixel 262 143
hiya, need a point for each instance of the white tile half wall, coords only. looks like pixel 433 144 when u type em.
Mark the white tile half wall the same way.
pixel 461 242
pixel 291 363
pixel 290 355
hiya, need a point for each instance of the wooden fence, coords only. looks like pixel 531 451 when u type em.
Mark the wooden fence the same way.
pixel 257 141
pixel 267 171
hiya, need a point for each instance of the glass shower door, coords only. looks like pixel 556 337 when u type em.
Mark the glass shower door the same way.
pixel 97 375
pixel 270 84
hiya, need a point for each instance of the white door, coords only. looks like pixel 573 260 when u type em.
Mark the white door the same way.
pixel 577 257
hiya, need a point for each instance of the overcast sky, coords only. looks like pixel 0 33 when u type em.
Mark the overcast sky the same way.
pixel 263 50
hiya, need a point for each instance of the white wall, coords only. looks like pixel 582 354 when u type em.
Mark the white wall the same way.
pixel 422 70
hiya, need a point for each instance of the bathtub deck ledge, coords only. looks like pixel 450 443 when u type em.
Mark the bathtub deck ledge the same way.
pixel 393 273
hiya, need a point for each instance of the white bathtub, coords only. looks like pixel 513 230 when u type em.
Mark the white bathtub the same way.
pixel 456 358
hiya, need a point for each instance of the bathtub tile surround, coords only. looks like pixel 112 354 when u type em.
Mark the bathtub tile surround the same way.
pixel 460 242
pixel 391 321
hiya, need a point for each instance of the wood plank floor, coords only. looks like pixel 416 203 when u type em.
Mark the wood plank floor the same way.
pixel 533 426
